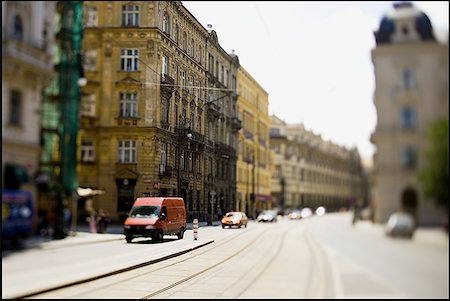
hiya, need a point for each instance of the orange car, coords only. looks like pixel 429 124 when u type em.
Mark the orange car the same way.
pixel 234 218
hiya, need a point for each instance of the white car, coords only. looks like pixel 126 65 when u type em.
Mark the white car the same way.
pixel 307 212
pixel 267 216
pixel 400 224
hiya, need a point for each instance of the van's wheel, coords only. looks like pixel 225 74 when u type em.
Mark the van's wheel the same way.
pixel 181 233
pixel 129 238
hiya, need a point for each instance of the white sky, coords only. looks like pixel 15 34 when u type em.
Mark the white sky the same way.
pixel 313 58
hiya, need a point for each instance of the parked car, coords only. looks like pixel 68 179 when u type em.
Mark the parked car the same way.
pixel 295 214
pixel 270 216
pixel 234 218
pixel 320 211
pixel 400 224
pixel 155 217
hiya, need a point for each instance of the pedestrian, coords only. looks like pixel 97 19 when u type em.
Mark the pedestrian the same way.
pixel 67 219
pixel 92 221
pixel 102 221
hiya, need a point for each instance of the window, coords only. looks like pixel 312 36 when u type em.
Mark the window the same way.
pixel 184 41
pixel 90 16
pixel 222 74
pixel 175 157
pixel 129 59
pixel 88 105
pixel 199 124
pixel 176 33
pixel 165 23
pixel 408 118
pixel 87 151
pixel 182 162
pixel 164 70
pixel 128 105
pixel 130 15
pixel 15 108
pixel 17 28
pixel 164 112
pixel 191 122
pixel 191 84
pixel 175 113
pixel 200 54
pixel 90 60
pixel 408 157
pixel 183 79
pixel 190 161
pixel 192 47
pixel 163 157
pixel 407 79
pixel 175 73
pixel 127 151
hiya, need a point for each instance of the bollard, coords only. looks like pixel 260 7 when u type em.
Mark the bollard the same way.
pixel 195 228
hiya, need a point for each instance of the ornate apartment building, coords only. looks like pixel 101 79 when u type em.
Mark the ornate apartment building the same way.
pixel 311 172
pixel 27 67
pixel 144 115
pixel 222 126
pixel 411 77
pixel 254 165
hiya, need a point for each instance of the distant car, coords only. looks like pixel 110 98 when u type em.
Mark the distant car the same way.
pixel 306 212
pixel 270 216
pixel 234 218
pixel 295 214
pixel 400 224
pixel 320 211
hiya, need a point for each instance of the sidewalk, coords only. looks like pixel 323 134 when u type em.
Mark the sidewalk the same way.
pixel 83 236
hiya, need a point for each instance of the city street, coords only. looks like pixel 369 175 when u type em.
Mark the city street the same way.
pixel 317 257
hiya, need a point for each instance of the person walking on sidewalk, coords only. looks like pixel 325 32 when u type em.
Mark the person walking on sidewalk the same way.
pixel 92 220
pixel 102 221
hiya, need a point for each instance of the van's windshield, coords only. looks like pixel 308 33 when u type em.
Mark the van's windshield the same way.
pixel 144 211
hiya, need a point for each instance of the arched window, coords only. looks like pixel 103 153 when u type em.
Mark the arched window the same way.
pixel 18 28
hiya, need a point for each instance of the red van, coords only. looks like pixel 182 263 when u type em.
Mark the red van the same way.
pixel 155 217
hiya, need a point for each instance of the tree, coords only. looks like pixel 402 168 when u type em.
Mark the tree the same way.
pixel 434 174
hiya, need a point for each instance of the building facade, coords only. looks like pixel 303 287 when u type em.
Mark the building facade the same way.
pixel 27 68
pixel 311 172
pixel 411 76
pixel 144 115
pixel 222 127
pixel 254 165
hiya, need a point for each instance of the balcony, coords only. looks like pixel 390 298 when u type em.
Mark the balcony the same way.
pixel 167 83
pixel 213 109
pixel 236 124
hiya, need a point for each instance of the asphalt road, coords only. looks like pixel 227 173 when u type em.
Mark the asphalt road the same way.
pixel 319 257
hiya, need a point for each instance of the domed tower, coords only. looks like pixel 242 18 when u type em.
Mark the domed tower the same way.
pixel 411 80
pixel 404 23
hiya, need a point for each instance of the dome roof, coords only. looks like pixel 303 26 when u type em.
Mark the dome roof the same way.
pixel 404 23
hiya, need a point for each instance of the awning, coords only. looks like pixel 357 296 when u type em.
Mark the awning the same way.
pixel 85 192
pixel 263 198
